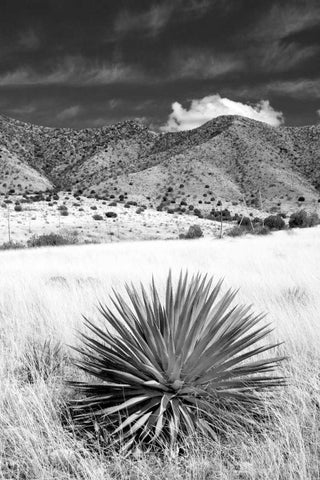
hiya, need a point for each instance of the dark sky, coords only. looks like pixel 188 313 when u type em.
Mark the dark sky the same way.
pixel 85 63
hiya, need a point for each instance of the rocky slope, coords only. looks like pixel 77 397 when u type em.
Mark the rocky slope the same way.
pixel 229 158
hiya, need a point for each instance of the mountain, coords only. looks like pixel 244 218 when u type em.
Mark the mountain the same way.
pixel 230 158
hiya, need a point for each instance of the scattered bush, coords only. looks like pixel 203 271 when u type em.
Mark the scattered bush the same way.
pixel 261 230
pixel 18 208
pixel 237 231
pixel 245 222
pixel 275 222
pixel 302 219
pixel 111 214
pixel 194 231
pixel 11 245
pixel 96 216
pixel 49 240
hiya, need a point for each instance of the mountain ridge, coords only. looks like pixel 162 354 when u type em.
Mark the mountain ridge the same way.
pixel 227 158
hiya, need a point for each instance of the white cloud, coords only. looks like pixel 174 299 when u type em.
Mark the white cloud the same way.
pixel 193 63
pixel 69 112
pixel 152 20
pixel 203 110
pixel 300 88
pixel 73 71
pixel 29 40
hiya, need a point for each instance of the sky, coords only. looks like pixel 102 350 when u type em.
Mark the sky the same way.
pixel 172 64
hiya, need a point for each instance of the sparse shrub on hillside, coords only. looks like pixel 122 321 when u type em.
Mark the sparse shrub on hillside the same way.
pixel 93 207
pixel 301 199
pixel 245 222
pixel 96 216
pixel 237 231
pixel 261 230
pixel 18 208
pixel 302 219
pixel 275 222
pixel 194 231
pixel 112 204
pixel 48 240
pixel 64 213
pixel 173 368
pixel 111 214
pixel 11 246
pixel 61 208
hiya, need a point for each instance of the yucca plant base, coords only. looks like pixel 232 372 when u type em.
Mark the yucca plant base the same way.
pixel 168 369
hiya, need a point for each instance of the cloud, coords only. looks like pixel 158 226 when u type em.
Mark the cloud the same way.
pixel 300 88
pixel 202 65
pixel 203 110
pixel 271 42
pixel 29 40
pixel 23 110
pixel 73 71
pixel 154 19
pixel 69 112
pixel 281 58
pixel 151 21
pixel 283 20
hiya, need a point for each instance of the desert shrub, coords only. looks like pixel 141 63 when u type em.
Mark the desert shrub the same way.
pixel 50 239
pixel 11 246
pixel 194 231
pixel 43 360
pixel 274 222
pixel 111 214
pixel 237 231
pixel 301 199
pixel 140 210
pixel 245 222
pixel 112 204
pixel 302 219
pixel 61 208
pixel 313 219
pixel 64 213
pixel 96 216
pixel 93 207
pixel 18 208
pixel 171 368
pixel 261 230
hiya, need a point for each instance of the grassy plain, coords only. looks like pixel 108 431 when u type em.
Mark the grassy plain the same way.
pixel 44 293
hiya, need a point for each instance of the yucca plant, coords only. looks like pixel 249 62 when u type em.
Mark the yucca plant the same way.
pixel 171 368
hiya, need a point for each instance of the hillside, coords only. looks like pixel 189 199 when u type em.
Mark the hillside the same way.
pixel 230 158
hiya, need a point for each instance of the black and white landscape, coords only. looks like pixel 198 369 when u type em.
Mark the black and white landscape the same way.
pixel 148 150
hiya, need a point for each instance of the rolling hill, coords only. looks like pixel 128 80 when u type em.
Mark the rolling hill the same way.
pixel 229 158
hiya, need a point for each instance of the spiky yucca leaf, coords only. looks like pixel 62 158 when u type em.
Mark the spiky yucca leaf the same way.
pixel 170 368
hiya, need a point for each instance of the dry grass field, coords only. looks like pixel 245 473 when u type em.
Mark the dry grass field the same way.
pixel 44 293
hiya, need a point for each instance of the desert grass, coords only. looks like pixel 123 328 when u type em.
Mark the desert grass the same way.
pixel 43 295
